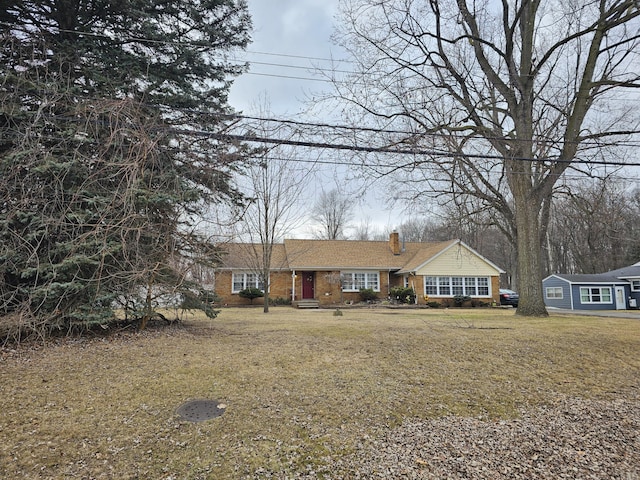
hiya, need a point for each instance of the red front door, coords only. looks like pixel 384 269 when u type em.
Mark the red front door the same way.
pixel 308 285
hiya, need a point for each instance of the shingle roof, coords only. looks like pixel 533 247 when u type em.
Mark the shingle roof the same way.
pixel 249 256
pixel 590 278
pixel 632 271
pixel 303 254
pixel 341 254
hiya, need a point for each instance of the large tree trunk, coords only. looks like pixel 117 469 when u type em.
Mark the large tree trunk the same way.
pixel 266 302
pixel 529 281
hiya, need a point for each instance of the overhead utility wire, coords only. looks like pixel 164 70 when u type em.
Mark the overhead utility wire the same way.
pixel 397 151
pixel 202 45
pixel 355 148
pixel 199 45
pixel 626 177
pixel 245 137
pixel 390 131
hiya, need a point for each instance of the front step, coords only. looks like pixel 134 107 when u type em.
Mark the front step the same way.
pixel 307 303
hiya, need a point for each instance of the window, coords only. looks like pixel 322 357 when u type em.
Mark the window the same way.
pixel 635 285
pixel 554 293
pixel 595 295
pixel 444 286
pixel 483 286
pixel 456 286
pixel 373 281
pixel 451 286
pixel 242 280
pixel 431 285
pixel 354 281
pixel 470 286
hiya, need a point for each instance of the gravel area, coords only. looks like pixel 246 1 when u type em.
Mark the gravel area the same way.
pixel 573 439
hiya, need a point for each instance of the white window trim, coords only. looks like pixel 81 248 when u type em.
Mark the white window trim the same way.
pixel 635 285
pixel 555 290
pixel 244 274
pixel 449 286
pixel 366 274
pixel 591 302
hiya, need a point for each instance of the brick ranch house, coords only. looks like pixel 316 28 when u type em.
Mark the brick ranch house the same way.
pixel 331 272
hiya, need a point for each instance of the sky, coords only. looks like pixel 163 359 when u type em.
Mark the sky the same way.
pixel 291 36
pixel 290 39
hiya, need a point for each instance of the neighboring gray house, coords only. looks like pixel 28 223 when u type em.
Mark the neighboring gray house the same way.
pixel 615 290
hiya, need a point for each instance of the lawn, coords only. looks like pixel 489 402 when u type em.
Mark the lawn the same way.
pixel 300 387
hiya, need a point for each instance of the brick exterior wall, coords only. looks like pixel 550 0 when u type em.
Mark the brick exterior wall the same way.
pixel 418 284
pixel 280 287
pixel 327 288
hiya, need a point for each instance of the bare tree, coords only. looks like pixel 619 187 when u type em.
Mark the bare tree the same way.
pixel 497 100
pixel 452 222
pixel 332 211
pixel 364 230
pixel 603 229
pixel 276 185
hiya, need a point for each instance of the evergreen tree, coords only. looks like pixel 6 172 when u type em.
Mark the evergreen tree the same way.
pixel 100 172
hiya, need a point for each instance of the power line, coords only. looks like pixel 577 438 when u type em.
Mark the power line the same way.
pixel 201 45
pixel 342 163
pixel 415 151
pixel 289 77
pixel 390 150
pixel 283 55
pixel 398 132
pixel 304 57
pixel 299 67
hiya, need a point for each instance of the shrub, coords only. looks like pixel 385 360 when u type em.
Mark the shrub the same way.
pixel 458 300
pixel 402 295
pixel 368 295
pixel 251 293
pixel 433 304
pixel 279 301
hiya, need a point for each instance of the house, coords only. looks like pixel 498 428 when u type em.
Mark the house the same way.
pixel 615 290
pixel 330 272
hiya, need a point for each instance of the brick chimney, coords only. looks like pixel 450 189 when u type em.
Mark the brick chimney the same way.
pixel 394 243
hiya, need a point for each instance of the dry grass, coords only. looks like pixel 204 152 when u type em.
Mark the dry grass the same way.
pixel 300 387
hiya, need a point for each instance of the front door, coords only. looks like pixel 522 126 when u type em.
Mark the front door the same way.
pixel 621 302
pixel 308 285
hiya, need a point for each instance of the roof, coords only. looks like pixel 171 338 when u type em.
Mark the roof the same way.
pixel 356 254
pixel 428 254
pixel 330 255
pixel 588 278
pixel 614 276
pixel 249 256
pixel 632 271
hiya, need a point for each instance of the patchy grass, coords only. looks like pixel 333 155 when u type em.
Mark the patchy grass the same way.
pixel 300 387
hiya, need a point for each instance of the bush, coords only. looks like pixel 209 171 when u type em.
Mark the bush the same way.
pixel 402 295
pixel 368 295
pixel 458 300
pixel 433 304
pixel 251 293
pixel 200 299
pixel 279 301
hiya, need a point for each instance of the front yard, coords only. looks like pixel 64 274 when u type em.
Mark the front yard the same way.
pixel 302 390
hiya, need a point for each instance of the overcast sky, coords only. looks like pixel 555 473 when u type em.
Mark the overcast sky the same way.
pixel 290 36
pixel 290 39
